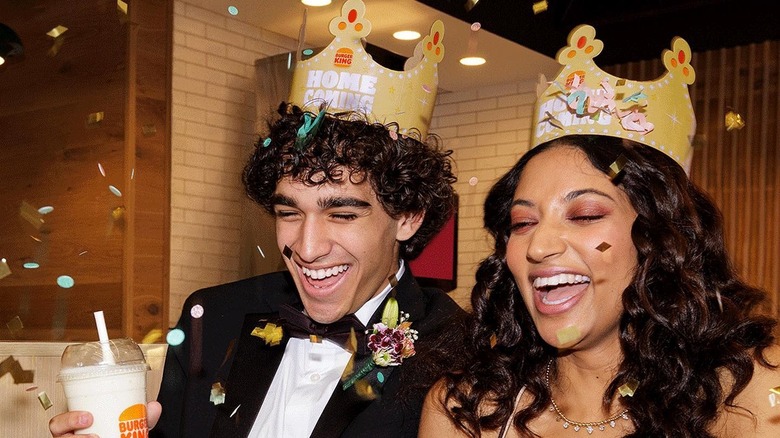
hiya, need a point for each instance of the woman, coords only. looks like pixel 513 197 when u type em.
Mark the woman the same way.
pixel 609 305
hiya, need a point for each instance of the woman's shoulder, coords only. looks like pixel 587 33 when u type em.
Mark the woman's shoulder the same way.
pixel 758 409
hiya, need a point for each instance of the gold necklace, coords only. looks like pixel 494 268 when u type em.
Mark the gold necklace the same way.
pixel 602 425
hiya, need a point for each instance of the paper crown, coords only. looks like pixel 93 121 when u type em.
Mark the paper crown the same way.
pixel 346 78
pixel 584 99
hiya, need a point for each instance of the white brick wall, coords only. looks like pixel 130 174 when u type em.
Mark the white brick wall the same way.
pixel 487 129
pixel 213 109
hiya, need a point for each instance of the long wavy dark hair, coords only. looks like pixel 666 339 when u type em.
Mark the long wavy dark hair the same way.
pixel 687 316
pixel 407 175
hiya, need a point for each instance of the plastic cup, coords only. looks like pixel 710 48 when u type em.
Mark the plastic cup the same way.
pixel 107 379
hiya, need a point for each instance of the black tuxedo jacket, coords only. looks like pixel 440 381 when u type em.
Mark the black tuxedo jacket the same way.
pixel 218 346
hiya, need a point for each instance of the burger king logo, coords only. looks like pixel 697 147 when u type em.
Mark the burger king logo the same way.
pixel 132 422
pixel 343 57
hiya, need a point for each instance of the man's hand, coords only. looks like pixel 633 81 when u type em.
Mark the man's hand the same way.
pixel 63 425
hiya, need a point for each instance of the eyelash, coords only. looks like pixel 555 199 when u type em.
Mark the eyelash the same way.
pixel 519 226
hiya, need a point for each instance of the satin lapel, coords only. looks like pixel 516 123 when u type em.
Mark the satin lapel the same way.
pixel 250 377
pixel 344 406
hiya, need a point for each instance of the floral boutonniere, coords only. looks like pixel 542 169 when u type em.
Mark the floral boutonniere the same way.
pixel 390 342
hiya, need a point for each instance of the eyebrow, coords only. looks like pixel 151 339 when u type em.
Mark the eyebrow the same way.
pixel 568 198
pixel 326 203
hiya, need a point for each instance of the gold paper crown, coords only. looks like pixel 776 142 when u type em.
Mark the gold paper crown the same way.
pixel 583 99
pixel 346 78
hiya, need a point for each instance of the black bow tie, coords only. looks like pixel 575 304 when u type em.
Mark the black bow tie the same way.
pixel 300 325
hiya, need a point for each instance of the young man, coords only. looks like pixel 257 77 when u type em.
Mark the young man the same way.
pixel 353 203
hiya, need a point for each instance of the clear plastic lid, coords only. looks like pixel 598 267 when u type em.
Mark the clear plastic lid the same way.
pixel 112 353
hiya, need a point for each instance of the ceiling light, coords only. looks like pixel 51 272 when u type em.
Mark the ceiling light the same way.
pixel 316 2
pixel 472 60
pixel 406 35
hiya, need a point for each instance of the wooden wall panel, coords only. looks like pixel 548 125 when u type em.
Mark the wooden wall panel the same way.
pixel 738 168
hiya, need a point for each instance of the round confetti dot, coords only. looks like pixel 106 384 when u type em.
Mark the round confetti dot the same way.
pixel 175 337
pixel 196 311
pixel 380 377
pixel 232 10
pixel 65 281
pixel 476 26
pixel 473 181
pixel 267 142
pixel 31 265
pixel 115 191
pixel 46 210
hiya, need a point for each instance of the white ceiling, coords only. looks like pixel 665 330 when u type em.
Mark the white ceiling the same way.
pixel 506 61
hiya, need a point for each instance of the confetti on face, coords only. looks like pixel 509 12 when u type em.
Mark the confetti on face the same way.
pixel 31 265
pixel 260 251
pixel 175 337
pixel 196 311
pixel 5 271
pixel 44 399
pixel 287 252
pixel 617 166
pixel 118 213
pixel 65 281
pixel 567 336
pixel 473 181
pixel 36 239
pixel 31 388
pixel 101 170
pixel 476 26
pixel 628 388
pixel 115 191
pixel 775 390
pixel 603 246
pixel 46 209
pixel 82 253
pixel 773 400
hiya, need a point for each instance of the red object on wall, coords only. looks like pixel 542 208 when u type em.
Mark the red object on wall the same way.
pixel 437 264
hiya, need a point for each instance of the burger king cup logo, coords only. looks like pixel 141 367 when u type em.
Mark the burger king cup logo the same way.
pixel 132 422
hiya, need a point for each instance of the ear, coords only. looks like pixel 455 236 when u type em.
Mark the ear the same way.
pixel 408 224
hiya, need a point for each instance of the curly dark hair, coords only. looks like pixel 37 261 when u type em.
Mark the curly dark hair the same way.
pixel 675 338
pixel 407 175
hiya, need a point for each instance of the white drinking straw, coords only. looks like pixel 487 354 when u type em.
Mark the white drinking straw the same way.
pixel 100 321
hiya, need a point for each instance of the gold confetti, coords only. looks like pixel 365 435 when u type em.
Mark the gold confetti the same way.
pixel 493 340
pixel 776 390
pixel 57 31
pixel 95 118
pixel 121 6
pixel 149 130
pixel 365 390
pixel 603 246
pixel 270 333
pixel 5 271
pixel 352 341
pixel 314 339
pixel 217 393
pixel 628 388
pixel 31 215
pixel 153 336
pixel 734 121
pixel 15 325
pixel 44 399
pixel 617 166
pixel 118 213
pixel 566 336
pixel 540 7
